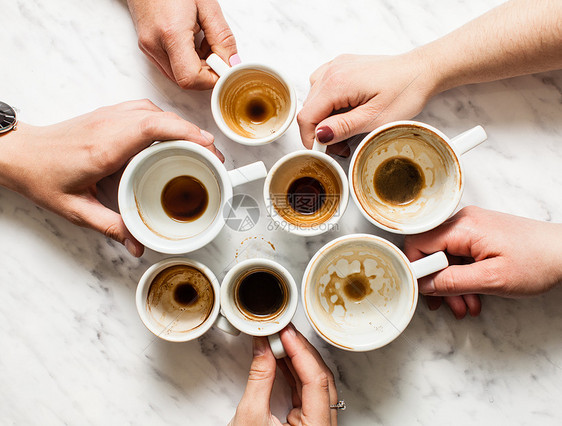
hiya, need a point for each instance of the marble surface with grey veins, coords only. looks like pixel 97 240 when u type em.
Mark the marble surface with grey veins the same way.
pixel 74 350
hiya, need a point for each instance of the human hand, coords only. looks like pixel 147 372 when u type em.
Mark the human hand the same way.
pixel 496 253
pixel 373 90
pixel 166 30
pixel 312 384
pixel 58 166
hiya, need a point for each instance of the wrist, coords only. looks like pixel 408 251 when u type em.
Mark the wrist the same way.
pixel 11 145
pixel 428 77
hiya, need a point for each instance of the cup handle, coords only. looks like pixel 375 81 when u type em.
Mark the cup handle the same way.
pixel 247 173
pixel 469 139
pixel 276 346
pixel 223 324
pixel 320 147
pixel 430 264
pixel 217 64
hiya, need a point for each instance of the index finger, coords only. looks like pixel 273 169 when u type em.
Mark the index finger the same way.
pixel 190 71
pixel 451 236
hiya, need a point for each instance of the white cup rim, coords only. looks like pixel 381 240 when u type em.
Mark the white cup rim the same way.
pixel 412 281
pixel 257 328
pixel 142 294
pixel 217 115
pixel 131 216
pixel 301 230
pixel 400 228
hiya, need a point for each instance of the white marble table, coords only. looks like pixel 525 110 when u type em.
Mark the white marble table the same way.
pixel 73 348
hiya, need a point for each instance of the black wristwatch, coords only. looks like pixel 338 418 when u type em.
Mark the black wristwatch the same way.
pixel 8 119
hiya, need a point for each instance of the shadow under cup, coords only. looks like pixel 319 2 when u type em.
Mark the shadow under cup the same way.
pixel 358 292
pixel 255 103
pixel 429 156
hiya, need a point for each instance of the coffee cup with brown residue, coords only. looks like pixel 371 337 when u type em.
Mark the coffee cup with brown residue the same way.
pixel 178 300
pixel 360 291
pixel 407 177
pixel 252 103
pixel 306 192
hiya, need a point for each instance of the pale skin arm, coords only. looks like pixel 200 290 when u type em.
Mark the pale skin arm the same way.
pixel 516 38
pixel 58 166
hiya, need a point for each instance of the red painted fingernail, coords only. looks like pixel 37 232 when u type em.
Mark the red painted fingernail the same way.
pixel 235 60
pixel 324 134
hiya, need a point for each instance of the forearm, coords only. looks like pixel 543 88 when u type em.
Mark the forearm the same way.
pixel 519 37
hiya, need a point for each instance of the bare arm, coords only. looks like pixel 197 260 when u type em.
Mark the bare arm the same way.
pixel 519 37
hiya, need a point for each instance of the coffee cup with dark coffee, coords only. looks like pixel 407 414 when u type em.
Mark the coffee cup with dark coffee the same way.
pixel 306 192
pixel 252 104
pixel 259 297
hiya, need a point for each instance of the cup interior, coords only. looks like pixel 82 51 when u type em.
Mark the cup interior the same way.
pixel 359 292
pixel 253 104
pixel 306 189
pixel 240 317
pixel 178 299
pixel 437 186
pixel 142 206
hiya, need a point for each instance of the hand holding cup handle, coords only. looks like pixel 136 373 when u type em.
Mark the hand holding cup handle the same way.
pixel 217 64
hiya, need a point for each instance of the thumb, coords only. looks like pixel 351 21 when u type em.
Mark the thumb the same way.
pixel 339 127
pixel 261 378
pixel 90 213
pixel 476 278
pixel 217 32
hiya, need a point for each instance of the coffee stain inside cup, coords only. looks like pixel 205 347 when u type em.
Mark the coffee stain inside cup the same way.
pixel 180 299
pixel 355 282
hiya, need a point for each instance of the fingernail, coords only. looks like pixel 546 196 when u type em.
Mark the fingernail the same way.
pixel 291 329
pixel 259 345
pixel 131 248
pixel 427 286
pixel 208 136
pixel 220 155
pixel 324 134
pixel 235 60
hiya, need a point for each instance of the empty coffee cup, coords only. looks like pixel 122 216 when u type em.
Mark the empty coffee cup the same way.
pixel 360 291
pixel 259 297
pixel 252 104
pixel 306 192
pixel 407 177
pixel 172 195
pixel 178 300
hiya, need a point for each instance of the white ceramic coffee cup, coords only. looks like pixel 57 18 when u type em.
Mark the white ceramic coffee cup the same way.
pixel 164 325
pixel 226 73
pixel 147 174
pixel 437 156
pixel 269 326
pixel 318 153
pixel 390 298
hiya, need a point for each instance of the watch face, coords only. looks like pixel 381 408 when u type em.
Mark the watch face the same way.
pixel 7 117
